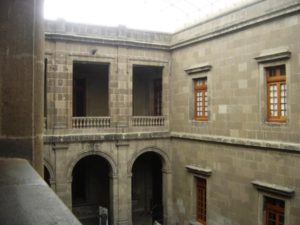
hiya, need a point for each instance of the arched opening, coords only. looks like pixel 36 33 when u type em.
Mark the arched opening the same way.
pixel 147 201
pixel 91 189
pixel 47 176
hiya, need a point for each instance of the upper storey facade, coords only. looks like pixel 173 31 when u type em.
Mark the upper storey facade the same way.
pixel 103 79
pixel 250 62
pixel 235 75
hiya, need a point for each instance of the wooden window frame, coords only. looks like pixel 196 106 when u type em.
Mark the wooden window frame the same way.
pixel 201 200
pixel 200 89
pixel 270 208
pixel 278 79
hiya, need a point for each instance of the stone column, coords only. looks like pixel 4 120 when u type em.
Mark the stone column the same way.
pixel 21 80
pixel 63 183
pixel 124 186
pixel 167 196
pixel 122 87
pixel 129 188
pixel 113 211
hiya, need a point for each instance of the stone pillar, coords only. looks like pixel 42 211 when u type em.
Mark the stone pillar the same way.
pixel 113 211
pixel 124 186
pixel 21 80
pixel 122 87
pixel 167 196
pixel 129 185
pixel 63 183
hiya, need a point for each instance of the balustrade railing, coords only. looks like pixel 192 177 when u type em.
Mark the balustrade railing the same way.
pixel 90 122
pixel 148 121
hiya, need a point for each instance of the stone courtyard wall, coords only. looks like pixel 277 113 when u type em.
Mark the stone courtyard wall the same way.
pixel 235 147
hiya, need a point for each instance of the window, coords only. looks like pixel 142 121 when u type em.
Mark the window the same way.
pixel 274 211
pixel 201 200
pixel 276 94
pixel 200 99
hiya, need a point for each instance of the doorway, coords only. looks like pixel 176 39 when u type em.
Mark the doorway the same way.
pixel 147 204
pixel 91 189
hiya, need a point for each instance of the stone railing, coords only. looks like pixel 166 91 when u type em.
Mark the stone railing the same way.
pixel 24 193
pixel 148 121
pixel 90 122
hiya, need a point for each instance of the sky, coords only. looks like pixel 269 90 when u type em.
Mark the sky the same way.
pixel 157 15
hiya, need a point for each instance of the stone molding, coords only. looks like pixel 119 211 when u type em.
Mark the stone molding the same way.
pixel 206 172
pixel 198 68
pixel 265 144
pixel 273 188
pixel 60 146
pixel 273 55
pixel 272 145
pixel 239 25
pixel 104 41
pixel 71 138
pixel 126 42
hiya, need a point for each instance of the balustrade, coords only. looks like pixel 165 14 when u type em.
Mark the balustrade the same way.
pixel 90 122
pixel 148 121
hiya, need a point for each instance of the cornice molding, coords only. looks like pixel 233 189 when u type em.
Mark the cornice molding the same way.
pixel 293 8
pixel 104 41
pixel 237 26
pixel 273 55
pixel 206 172
pixel 273 188
pixel 198 68
pixel 264 144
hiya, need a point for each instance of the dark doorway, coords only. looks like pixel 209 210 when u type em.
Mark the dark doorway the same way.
pixel 47 175
pixel 90 89
pixel 79 93
pixel 147 91
pixel 147 205
pixel 90 188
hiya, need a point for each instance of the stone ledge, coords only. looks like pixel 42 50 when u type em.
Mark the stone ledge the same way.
pixel 273 55
pixel 198 170
pixel 272 145
pixel 105 41
pixel 265 144
pixel 26 198
pixel 273 188
pixel 198 68
pixel 239 25
pixel 104 137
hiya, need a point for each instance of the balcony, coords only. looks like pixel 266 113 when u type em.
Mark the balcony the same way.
pixel 90 122
pixel 148 121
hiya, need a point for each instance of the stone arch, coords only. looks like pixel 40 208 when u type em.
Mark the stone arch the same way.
pixel 166 164
pixel 165 184
pixel 50 169
pixel 76 159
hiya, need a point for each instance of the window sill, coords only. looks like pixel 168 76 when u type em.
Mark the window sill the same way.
pixel 276 120
pixel 276 123
pixel 200 120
